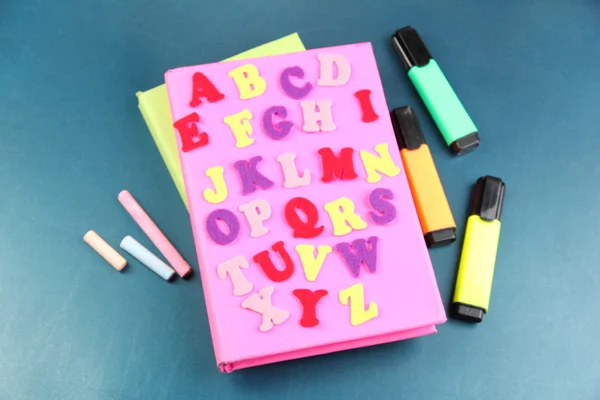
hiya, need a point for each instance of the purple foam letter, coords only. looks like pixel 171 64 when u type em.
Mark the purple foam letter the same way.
pixel 215 232
pixel 386 212
pixel 359 253
pixel 293 91
pixel 250 176
pixel 280 130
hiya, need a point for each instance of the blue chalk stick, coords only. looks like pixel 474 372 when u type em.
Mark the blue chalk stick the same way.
pixel 146 257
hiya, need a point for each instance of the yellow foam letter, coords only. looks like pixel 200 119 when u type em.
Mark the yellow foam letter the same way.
pixel 356 295
pixel 343 218
pixel 220 193
pixel 241 127
pixel 248 81
pixel 311 264
pixel 383 163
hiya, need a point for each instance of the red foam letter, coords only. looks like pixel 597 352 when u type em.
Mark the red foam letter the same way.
pixel 203 87
pixel 341 167
pixel 191 137
pixel 364 99
pixel 303 229
pixel 264 260
pixel 309 300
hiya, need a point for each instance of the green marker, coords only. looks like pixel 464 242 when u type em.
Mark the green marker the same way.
pixel 457 128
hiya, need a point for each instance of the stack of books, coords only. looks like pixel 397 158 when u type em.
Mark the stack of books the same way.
pixel 307 235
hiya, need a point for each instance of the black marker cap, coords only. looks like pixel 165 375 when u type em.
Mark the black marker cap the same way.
pixel 467 313
pixel 488 197
pixel 466 143
pixel 440 237
pixel 410 47
pixel 407 128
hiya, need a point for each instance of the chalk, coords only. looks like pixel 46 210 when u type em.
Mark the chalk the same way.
pixel 154 233
pixel 147 258
pixel 108 253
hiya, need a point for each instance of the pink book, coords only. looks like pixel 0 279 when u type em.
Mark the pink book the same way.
pixel 306 232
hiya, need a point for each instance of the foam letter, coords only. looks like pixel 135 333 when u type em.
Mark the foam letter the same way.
pixel 364 100
pixel 191 137
pixel 203 87
pixel 383 163
pixel 248 81
pixel 232 267
pixel 341 167
pixel 303 229
pixel 250 177
pixel 241 128
pixel 356 295
pixel 311 264
pixel 264 260
pixel 261 303
pixel 215 233
pixel 309 300
pixel 220 193
pixel 326 74
pixel 359 253
pixel 312 116
pixel 290 173
pixel 294 92
pixel 256 212
pixel 341 212
pixel 379 200
pixel 280 130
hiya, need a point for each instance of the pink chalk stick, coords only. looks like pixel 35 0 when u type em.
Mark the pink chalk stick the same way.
pixel 155 234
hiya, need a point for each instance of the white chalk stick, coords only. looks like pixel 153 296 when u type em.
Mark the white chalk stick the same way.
pixel 147 258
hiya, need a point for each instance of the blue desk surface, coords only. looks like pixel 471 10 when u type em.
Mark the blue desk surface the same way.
pixel 71 138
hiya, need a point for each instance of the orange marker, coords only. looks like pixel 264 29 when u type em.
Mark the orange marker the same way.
pixel 428 194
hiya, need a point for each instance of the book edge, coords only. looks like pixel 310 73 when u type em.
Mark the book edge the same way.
pixel 291 41
pixel 171 161
pixel 249 59
pixel 231 366
pixel 202 263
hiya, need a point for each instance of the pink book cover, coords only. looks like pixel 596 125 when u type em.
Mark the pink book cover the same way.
pixel 306 232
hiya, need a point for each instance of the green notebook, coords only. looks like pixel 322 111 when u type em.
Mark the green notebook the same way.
pixel 154 105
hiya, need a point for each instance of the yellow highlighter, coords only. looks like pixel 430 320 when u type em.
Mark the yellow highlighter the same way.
pixel 476 269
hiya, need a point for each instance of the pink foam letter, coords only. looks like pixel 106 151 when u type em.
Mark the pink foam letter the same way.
pixel 312 116
pixel 256 212
pixel 326 76
pixel 232 267
pixel 290 172
pixel 261 303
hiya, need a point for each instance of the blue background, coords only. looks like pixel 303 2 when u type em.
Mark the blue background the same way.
pixel 71 137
